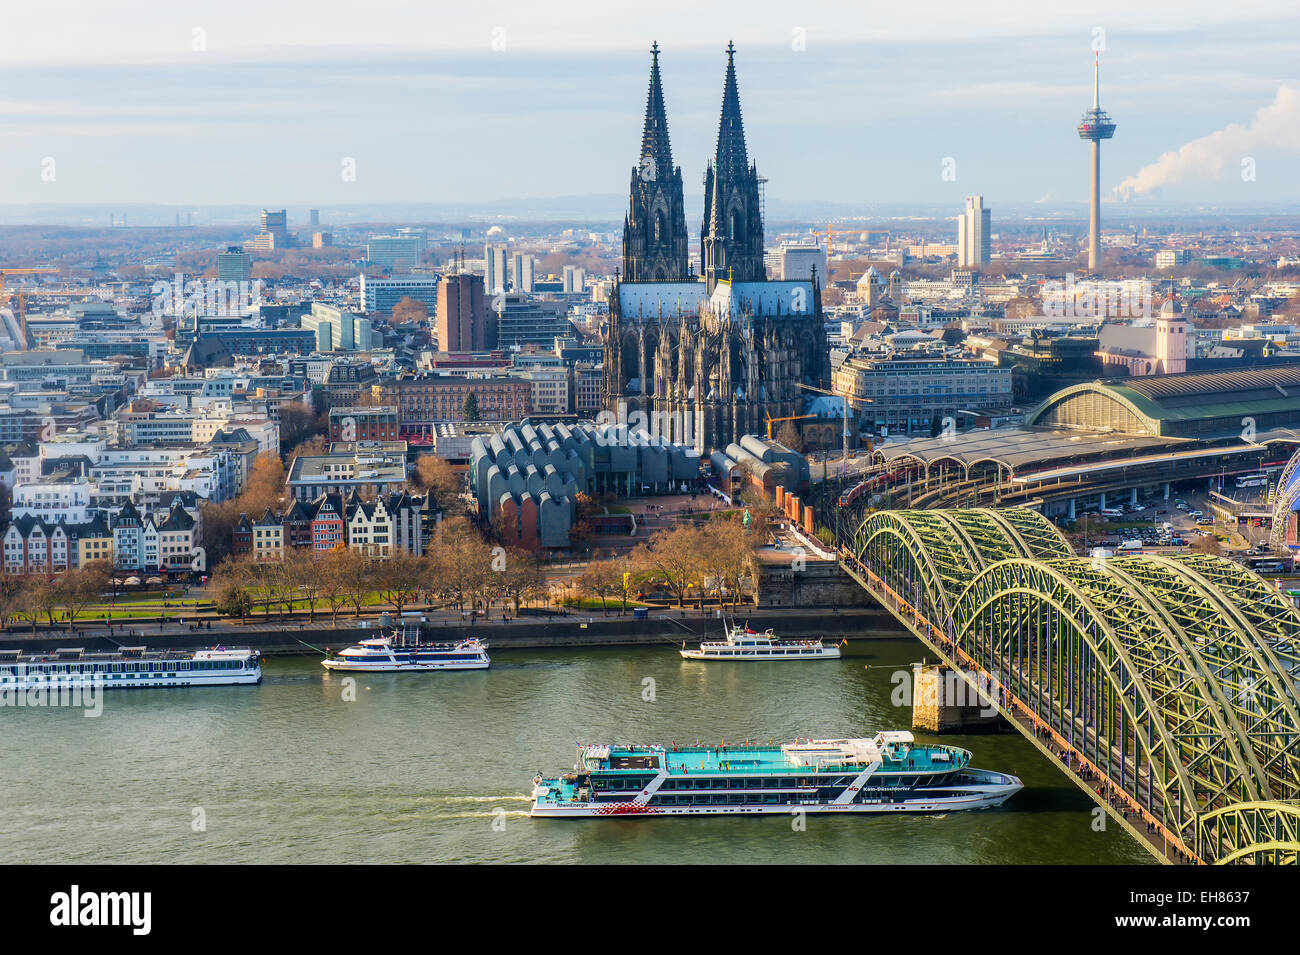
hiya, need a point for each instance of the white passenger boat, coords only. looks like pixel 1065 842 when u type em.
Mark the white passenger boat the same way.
pixel 402 650
pixel 742 643
pixel 75 667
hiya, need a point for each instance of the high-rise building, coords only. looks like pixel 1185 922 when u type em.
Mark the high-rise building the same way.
pixel 339 330
pixel 234 265
pixel 575 279
pixel 798 261
pixel 395 251
pixel 1095 126
pixel 380 295
pixel 973 227
pixel 314 217
pixel 277 224
pixel 523 272
pixel 495 278
pixel 462 314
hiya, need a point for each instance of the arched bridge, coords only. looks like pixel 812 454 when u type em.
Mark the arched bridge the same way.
pixel 1166 686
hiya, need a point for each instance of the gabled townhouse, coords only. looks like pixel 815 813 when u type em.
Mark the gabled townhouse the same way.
pixel 268 537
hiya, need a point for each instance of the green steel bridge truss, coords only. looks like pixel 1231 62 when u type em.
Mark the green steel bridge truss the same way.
pixel 1176 677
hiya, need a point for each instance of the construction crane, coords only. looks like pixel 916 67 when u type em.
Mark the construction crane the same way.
pixel 794 417
pixel 830 244
pixel 22 303
pixel 845 416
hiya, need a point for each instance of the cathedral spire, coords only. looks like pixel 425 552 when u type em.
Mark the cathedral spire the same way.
pixel 731 159
pixel 656 151
pixel 654 231
pixel 731 235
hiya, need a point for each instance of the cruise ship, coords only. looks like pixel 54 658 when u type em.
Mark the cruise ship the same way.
pixel 890 772
pixel 74 667
pixel 742 643
pixel 402 650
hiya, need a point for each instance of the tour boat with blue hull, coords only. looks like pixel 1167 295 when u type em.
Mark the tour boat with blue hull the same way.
pixel 402 650
pixel 887 773
pixel 741 643
pixel 130 667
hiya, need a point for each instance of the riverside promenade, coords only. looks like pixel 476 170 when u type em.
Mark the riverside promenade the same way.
pixel 532 629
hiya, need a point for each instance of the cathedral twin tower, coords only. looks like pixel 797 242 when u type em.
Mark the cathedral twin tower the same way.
pixel 706 359
pixel 654 230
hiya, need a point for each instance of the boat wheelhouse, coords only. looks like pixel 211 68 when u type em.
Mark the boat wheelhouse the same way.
pixel 741 643
pixel 402 650
pixel 890 772
pixel 130 667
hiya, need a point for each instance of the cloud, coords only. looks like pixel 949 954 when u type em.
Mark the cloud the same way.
pixel 1275 127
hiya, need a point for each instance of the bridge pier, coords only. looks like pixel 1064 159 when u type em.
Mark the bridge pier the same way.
pixel 1070 513
pixel 943 702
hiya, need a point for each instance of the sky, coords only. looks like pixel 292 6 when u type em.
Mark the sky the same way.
pixel 328 103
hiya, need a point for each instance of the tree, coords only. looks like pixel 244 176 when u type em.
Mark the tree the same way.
pixel 672 556
pixel 790 436
pixel 305 574
pixel 727 552
pixel 230 590
pixel 38 599
pixel 399 579
pixel 521 577
pixel 438 477
pixel 298 423
pixel 602 579
pixel 77 589
pixel 469 409
pixel 11 598
pixel 339 571
pixel 1207 544
pixel 409 310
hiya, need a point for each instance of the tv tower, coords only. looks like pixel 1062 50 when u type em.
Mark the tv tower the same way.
pixel 1095 126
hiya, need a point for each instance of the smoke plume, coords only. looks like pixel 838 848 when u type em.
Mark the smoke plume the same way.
pixel 1275 127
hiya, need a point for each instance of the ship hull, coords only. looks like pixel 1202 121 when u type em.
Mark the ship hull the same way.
pixel 986 800
pixel 106 682
pixel 826 653
pixel 390 667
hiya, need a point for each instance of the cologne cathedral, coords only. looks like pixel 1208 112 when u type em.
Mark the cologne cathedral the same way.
pixel 706 358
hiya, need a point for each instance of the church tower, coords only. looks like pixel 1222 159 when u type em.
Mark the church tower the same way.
pixel 731 237
pixel 654 229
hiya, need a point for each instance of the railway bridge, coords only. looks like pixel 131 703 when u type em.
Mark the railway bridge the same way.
pixel 1166 687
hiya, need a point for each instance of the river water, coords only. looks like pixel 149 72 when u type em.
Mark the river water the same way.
pixel 435 767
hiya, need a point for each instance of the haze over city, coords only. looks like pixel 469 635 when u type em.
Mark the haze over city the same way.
pixel 237 104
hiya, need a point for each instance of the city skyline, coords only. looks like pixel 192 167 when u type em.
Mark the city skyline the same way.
pixel 246 122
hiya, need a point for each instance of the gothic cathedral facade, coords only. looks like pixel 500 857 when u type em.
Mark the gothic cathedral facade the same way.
pixel 706 358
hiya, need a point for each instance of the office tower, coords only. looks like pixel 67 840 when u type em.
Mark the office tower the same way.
pixel 798 261
pixel 1095 126
pixel 380 295
pixel 462 315
pixel 314 217
pixel 973 234
pixel 575 279
pixel 395 251
pixel 234 265
pixel 276 224
pixel 523 274
pixel 494 277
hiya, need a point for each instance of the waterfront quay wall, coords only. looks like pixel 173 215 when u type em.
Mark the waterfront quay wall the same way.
pixel 661 627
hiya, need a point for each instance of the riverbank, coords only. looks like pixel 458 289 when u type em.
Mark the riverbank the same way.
pixel 532 631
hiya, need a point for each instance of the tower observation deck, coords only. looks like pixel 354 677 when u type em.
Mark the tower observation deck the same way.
pixel 1095 126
